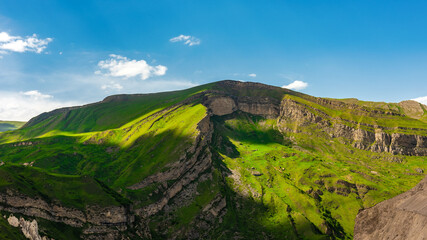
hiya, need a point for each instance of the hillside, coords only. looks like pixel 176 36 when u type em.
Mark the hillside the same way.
pixel 219 161
pixel 409 108
pixel 10 125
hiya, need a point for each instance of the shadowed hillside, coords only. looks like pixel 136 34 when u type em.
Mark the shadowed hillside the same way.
pixel 10 125
pixel 219 161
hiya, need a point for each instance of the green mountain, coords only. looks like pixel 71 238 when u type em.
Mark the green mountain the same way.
pixel 219 161
pixel 10 125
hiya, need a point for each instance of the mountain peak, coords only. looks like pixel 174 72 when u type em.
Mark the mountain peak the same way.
pixel 227 160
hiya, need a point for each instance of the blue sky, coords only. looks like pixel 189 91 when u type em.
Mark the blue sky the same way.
pixel 83 51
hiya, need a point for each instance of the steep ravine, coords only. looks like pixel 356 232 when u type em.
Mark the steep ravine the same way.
pixel 197 182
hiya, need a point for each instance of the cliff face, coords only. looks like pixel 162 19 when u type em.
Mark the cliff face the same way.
pixel 292 116
pixel 183 173
pixel 223 105
pixel 402 217
pixel 98 221
pixel 237 164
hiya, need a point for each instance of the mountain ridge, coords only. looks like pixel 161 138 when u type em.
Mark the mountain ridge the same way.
pixel 228 159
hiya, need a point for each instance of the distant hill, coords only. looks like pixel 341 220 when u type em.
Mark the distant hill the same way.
pixel 409 108
pixel 10 125
pixel 225 160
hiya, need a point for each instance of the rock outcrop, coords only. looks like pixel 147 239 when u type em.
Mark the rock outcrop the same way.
pixel 93 220
pixel 412 108
pixel 176 185
pixel 223 105
pixel 30 229
pixel 402 217
pixel 294 115
pixel 183 172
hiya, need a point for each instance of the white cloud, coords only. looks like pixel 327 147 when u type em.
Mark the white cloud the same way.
pixel 296 85
pixel 162 86
pixel 20 44
pixel 188 40
pixel 22 106
pixel 252 75
pixel 119 66
pixel 112 86
pixel 36 95
pixel 422 100
pixel 5 37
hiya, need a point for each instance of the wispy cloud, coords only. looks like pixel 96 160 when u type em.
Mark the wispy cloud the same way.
pixel 112 86
pixel 188 40
pixel 165 85
pixel 422 100
pixel 22 106
pixel 119 66
pixel 36 95
pixel 252 75
pixel 296 85
pixel 32 43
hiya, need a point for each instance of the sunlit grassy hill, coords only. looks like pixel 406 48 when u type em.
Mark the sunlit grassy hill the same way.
pixel 218 161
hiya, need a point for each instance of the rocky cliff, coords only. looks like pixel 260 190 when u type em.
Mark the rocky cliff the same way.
pixel 402 217
pixel 293 116
pixel 223 161
pixel 96 222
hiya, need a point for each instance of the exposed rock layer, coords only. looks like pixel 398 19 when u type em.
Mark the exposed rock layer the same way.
pixel 183 175
pixel 402 217
pixel 93 220
pixel 30 229
pixel 292 113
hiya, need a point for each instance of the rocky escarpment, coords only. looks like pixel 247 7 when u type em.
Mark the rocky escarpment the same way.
pixel 193 168
pixel 177 199
pixel 402 217
pixel 103 222
pixel 223 105
pixel 294 115
pixel 191 165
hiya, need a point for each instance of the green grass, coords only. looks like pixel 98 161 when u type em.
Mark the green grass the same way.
pixel 108 114
pixel 10 125
pixel 126 156
pixel 295 185
pixel 49 229
pixel 355 116
pixel 70 191
pixel 290 176
pixel 8 232
pixel 207 190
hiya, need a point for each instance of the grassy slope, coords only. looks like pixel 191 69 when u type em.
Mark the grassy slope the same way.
pixel 122 142
pixel 410 108
pixel 10 125
pixel 290 175
pixel 366 115
pixel 71 191
pixel 108 114
pixel 118 161
pixel 8 232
